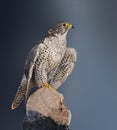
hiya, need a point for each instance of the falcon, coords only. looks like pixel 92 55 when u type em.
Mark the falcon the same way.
pixel 48 64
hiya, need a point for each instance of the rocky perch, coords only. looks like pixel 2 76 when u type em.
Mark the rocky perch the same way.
pixel 45 110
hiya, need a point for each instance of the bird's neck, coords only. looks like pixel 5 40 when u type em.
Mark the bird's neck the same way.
pixel 59 39
pixel 62 37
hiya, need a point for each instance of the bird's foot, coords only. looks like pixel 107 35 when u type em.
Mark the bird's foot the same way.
pixel 49 86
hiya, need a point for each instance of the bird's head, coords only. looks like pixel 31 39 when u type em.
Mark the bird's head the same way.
pixel 60 29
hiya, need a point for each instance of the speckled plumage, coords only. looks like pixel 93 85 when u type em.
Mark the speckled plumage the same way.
pixel 49 62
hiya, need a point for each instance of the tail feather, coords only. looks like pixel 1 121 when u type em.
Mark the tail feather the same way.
pixel 20 95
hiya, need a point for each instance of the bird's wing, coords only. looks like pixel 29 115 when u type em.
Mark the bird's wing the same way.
pixel 59 75
pixel 26 84
pixel 29 65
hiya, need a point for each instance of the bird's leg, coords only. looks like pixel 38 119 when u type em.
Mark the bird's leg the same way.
pixel 47 85
pixel 40 76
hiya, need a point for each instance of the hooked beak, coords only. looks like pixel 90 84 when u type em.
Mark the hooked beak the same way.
pixel 68 25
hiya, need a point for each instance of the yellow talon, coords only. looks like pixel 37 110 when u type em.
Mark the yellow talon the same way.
pixel 48 86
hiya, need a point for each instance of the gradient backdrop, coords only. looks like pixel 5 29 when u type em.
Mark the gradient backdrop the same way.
pixel 91 91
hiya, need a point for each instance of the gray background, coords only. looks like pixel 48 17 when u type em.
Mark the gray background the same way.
pixel 91 91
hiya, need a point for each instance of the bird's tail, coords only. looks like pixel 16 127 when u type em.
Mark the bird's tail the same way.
pixel 20 95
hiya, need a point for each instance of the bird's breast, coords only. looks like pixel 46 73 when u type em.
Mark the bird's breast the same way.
pixel 55 56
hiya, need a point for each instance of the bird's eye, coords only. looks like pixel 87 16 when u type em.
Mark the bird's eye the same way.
pixel 64 24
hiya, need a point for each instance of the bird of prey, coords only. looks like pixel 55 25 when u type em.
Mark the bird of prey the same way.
pixel 48 64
